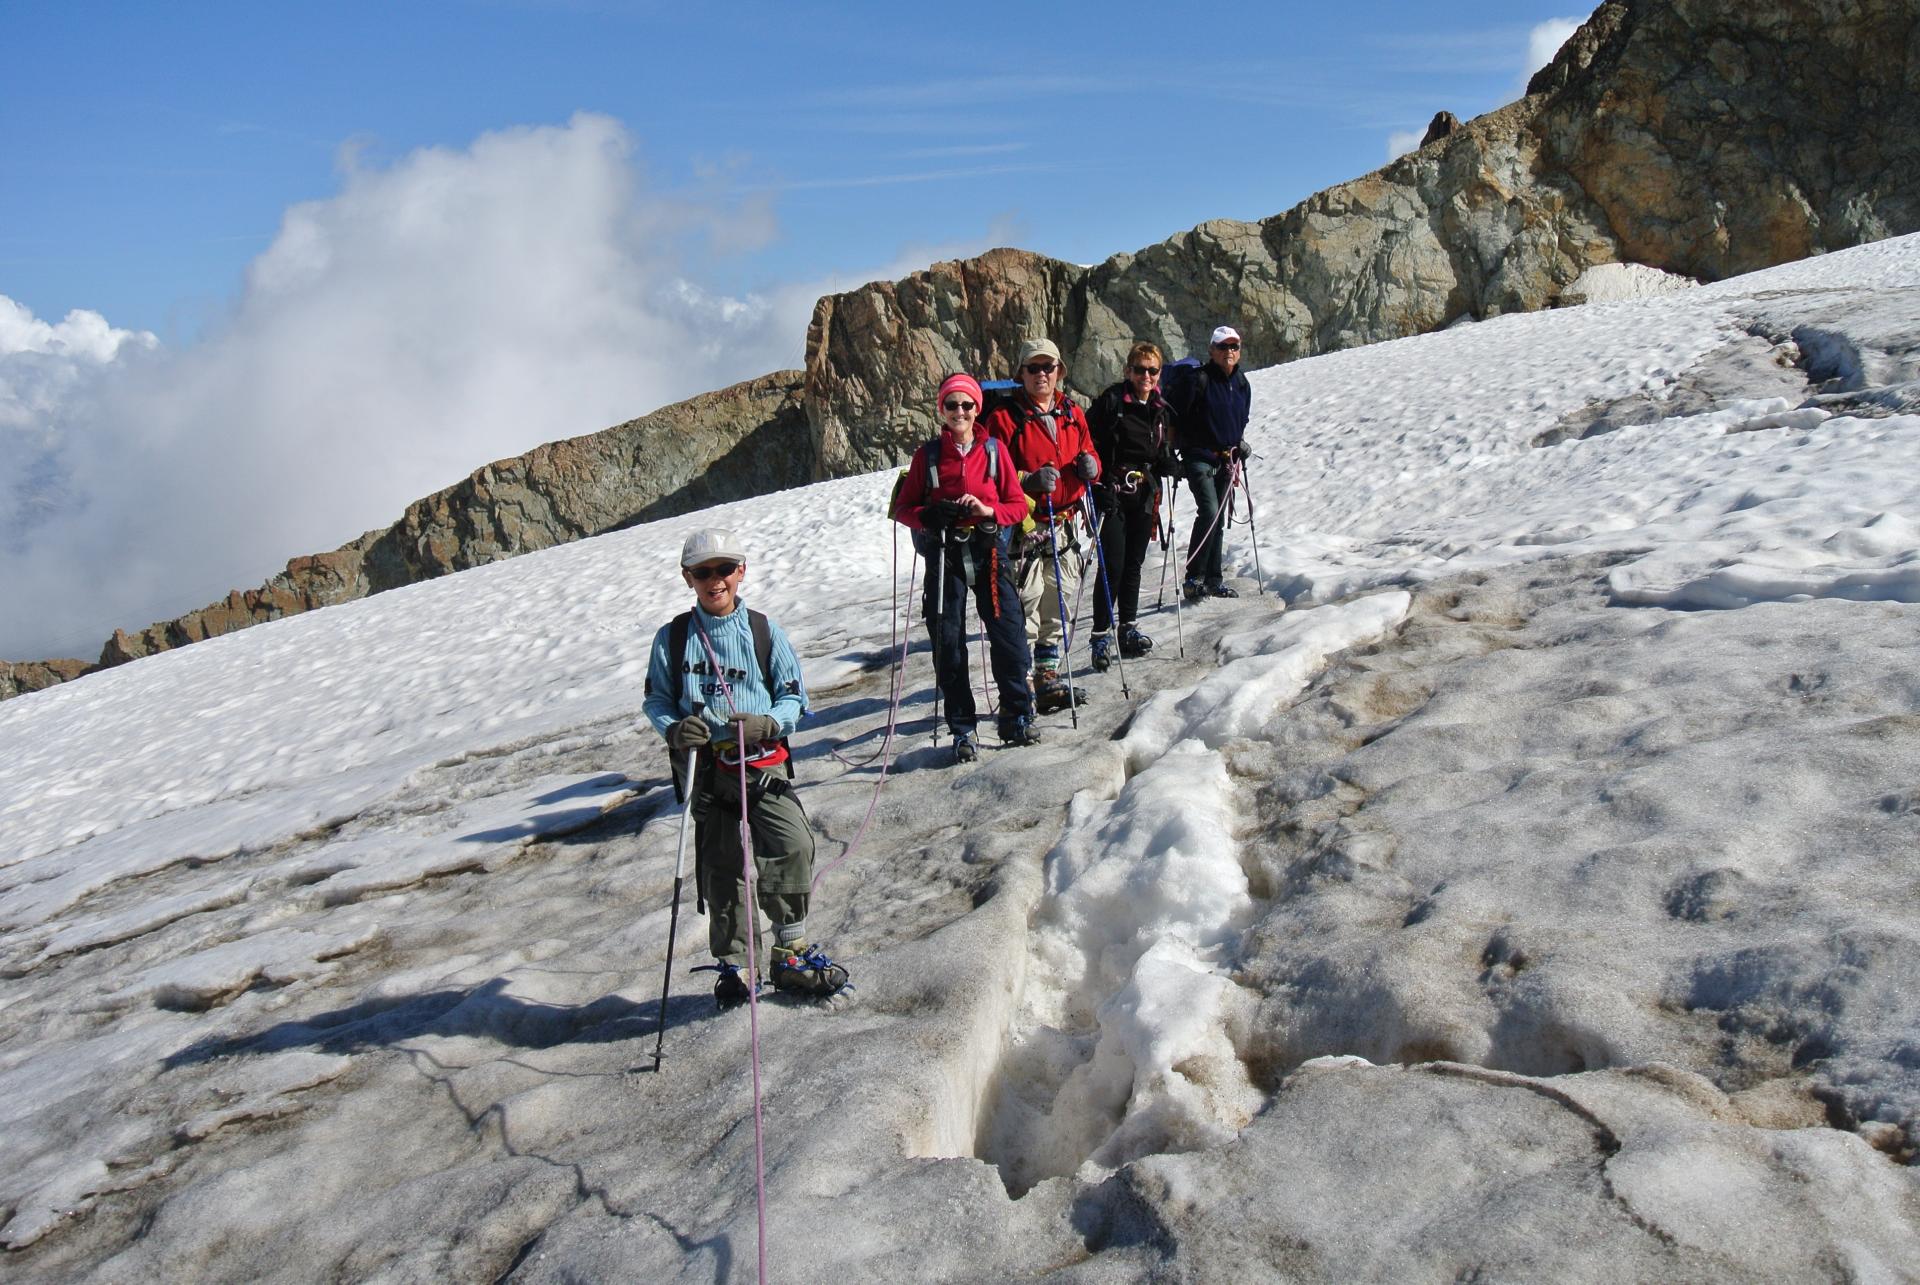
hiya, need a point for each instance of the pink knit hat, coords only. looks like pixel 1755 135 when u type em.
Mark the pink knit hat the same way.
pixel 960 384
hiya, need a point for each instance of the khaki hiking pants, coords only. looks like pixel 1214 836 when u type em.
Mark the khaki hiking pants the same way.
pixel 782 862
pixel 1041 595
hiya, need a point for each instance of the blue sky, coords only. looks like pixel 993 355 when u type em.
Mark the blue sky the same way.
pixel 269 272
pixel 153 148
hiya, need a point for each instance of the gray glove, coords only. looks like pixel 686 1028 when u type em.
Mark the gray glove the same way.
pixel 1087 465
pixel 757 729
pixel 1041 481
pixel 690 733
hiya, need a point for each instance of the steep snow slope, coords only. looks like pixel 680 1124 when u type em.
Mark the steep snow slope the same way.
pixel 1534 897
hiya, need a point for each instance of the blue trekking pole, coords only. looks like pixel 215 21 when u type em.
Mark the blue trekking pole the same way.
pixel 1106 583
pixel 1060 594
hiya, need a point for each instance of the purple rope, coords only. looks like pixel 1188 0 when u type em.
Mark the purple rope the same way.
pixel 753 964
pixel 1233 480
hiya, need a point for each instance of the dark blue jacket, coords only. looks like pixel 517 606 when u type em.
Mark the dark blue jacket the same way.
pixel 1214 416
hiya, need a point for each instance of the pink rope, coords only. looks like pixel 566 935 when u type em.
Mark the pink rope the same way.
pixel 893 719
pixel 1226 501
pixel 896 626
pixel 752 910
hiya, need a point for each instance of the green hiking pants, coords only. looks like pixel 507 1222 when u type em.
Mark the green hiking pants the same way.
pixel 782 862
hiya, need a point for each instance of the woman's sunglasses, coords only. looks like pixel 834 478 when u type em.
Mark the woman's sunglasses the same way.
pixel 1144 370
pixel 712 570
pixel 957 405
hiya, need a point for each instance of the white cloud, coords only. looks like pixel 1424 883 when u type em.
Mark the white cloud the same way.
pixel 1402 141
pixel 1544 41
pixel 458 306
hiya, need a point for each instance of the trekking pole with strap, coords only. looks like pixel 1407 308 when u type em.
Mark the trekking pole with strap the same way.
pixel 1106 584
pixel 1253 530
pixel 1166 538
pixel 939 623
pixel 1066 625
pixel 673 917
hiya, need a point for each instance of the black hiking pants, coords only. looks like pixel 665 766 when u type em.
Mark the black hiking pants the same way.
pixel 977 566
pixel 1124 534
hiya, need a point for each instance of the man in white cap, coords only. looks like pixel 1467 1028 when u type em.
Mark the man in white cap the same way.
pixel 1047 437
pixel 1210 427
pixel 725 683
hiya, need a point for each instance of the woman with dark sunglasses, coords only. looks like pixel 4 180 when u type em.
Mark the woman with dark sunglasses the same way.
pixel 962 500
pixel 1131 427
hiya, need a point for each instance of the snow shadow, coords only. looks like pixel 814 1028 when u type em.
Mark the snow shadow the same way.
pixel 486 1011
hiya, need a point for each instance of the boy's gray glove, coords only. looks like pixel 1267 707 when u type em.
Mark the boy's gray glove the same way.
pixel 690 733
pixel 757 729
pixel 1041 481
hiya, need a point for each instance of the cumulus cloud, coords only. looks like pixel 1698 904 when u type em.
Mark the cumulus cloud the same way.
pixel 458 306
pixel 1544 41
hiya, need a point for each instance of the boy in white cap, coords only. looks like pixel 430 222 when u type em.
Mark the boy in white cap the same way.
pixel 1210 424
pixel 724 682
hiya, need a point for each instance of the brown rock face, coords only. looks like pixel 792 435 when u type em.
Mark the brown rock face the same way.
pixel 17 678
pixel 745 440
pixel 1703 137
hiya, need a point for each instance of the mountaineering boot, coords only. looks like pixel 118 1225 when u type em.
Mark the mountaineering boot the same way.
pixel 806 970
pixel 1019 731
pixel 964 749
pixel 1221 589
pixel 1051 693
pixel 1103 653
pixel 1194 588
pixel 1133 643
pixel 730 988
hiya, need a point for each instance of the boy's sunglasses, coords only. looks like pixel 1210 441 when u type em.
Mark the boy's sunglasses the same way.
pixel 957 405
pixel 713 569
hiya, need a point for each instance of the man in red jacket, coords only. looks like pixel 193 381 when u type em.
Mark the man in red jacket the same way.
pixel 1047 436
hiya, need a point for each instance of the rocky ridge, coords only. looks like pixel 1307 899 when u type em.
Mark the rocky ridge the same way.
pixel 1700 137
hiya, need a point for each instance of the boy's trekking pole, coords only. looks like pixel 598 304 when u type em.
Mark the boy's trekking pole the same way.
pixel 1060 595
pixel 673 918
pixel 1106 583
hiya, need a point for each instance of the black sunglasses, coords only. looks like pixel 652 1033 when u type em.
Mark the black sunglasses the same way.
pixel 1144 370
pixel 957 404
pixel 1228 347
pixel 711 570
pixel 1039 368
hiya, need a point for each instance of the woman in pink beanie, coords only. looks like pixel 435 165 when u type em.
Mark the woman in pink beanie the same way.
pixel 962 502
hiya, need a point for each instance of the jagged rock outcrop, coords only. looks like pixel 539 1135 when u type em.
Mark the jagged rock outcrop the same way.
pixel 19 678
pixel 1442 124
pixel 745 440
pixel 1701 137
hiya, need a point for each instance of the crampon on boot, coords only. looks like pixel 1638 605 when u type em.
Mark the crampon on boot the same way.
pixel 1133 643
pixel 730 988
pixel 1051 693
pixel 805 970
pixel 1102 649
pixel 964 748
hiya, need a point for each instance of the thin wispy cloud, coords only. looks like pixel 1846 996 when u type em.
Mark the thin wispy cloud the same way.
pixel 969 149
pixel 946 93
pixel 894 180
